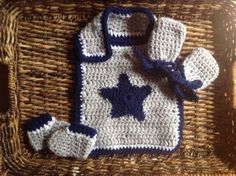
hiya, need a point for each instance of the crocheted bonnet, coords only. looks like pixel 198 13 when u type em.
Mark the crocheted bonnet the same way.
pixel 131 85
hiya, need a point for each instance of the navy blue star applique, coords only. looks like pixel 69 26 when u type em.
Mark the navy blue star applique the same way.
pixel 126 99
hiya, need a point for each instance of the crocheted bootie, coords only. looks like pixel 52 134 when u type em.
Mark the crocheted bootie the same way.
pixel 40 128
pixel 75 141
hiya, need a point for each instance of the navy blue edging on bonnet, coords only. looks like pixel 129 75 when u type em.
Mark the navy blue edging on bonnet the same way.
pixel 174 71
pixel 109 40
pixel 119 41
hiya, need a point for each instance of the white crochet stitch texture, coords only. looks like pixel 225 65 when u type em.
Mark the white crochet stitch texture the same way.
pixel 65 143
pixel 38 137
pixel 161 128
pixel 92 38
pixel 166 39
pixel 201 65
pixel 126 25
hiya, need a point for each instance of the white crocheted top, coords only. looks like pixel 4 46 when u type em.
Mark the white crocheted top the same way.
pixel 132 109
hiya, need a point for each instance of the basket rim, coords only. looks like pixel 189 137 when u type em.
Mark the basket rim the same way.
pixel 17 162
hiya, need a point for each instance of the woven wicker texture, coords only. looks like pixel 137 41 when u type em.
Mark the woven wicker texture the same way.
pixel 37 46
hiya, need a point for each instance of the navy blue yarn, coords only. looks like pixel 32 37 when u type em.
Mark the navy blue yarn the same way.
pixel 78 101
pixel 121 42
pixel 111 40
pixel 83 129
pixel 174 71
pixel 39 122
pixel 126 99
pixel 125 151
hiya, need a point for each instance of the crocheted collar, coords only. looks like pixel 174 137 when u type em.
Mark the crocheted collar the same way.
pixel 95 40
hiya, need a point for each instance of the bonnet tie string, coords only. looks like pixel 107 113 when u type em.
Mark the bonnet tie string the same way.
pixel 174 71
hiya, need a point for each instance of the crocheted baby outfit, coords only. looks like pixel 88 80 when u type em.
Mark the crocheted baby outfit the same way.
pixel 131 85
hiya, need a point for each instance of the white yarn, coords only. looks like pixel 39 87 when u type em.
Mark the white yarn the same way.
pixel 126 25
pixel 65 143
pixel 166 39
pixel 92 39
pixel 160 128
pixel 38 137
pixel 201 65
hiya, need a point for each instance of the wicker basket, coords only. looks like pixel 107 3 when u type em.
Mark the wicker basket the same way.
pixel 37 53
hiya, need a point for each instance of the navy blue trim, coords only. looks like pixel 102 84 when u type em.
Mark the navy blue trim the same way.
pixel 118 41
pixel 78 101
pixel 39 122
pixel 126 151
pixel 80 128
pixel 174 71
pixel 108 42
pixel 122 41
